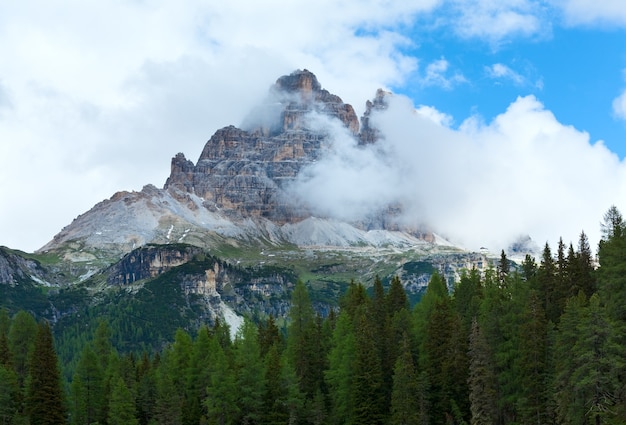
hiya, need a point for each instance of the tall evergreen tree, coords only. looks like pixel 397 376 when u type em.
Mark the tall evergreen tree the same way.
pixel 301 345
pixel 340 374
pixel 44 398
pixel 533 354
pixel 597 377
pixel 88 391
pixel 197 378
pixel 21 343
pixel 569 406
pixel 583 274
pixel 250 374
pixel 446 362
pixel 122 409
pixel 404 403
pixel 481 380
pixel 503 268
pixel 222 393
pixel 9 395
pixel 368 389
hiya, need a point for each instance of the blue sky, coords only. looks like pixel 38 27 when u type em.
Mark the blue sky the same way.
pixel 575 72
pixel 97 98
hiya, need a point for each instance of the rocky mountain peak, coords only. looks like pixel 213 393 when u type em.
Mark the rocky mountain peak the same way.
pixel 245 171
pixel 299 81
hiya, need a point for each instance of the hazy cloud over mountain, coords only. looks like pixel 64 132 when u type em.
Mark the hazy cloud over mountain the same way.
pixel 484 184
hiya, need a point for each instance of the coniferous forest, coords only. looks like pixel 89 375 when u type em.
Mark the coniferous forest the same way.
pixel 543 342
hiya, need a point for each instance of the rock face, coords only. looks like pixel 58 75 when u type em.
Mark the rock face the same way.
pixel 245 171
pixel 15 269
pixel 148 262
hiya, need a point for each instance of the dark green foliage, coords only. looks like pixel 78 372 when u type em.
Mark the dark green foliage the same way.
pixel 481 379
pixel 88 389
pixel 45 403
pixel 404 403
pixel 9 394
pixel 122 406
pixel 534 346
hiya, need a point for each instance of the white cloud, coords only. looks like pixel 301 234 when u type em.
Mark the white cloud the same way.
pixel 587 12
pixel 497 20
pixel 436 74
pixel 481 185
pixel 434 115
pixel 500 71
pixel 619 106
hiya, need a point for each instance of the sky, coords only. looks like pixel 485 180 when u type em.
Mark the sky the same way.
pixel 508 116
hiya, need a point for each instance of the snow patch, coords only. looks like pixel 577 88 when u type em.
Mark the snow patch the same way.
pixel 169 232
pixel 40 281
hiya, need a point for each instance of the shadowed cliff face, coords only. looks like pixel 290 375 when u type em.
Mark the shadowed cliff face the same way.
pixel 244 171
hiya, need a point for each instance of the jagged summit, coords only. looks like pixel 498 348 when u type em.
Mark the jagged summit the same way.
pixel 240 185
pixel 244 172
pixel 299 81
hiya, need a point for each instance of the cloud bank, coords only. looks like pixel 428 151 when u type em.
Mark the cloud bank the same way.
pixel 483 184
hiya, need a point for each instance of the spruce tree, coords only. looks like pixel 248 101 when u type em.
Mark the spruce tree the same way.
pixel 601 360
pixel 340 374
pixel 404 406
pixel 9 395
pixel 250 374
pixel 122 409
pixel 88 391
pixel 368 380
pixel 481 380
pixel 533 353
pixel 302 348
pixel 44 397
pixel 222 393
pixel 21 342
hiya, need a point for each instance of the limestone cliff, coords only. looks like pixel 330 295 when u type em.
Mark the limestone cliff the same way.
pixel 244 171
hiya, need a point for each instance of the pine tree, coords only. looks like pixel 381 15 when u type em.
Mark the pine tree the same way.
pixel 529 268
pixel 302 348
pixel 197 378
pixel 481 380
pixel 503 268
pixel 600 362
pixel 368 380
pixel 404 406
pixel 9 394
pixel 250 374
pixel 569 406
pixel 468 294
pixel 583 275
pixel 44 397
pixel 396 297
pixel 88 392
pixel 533 353
pixel 21 343
pixel 222 393
pixel 269 335
pixel 340 374
pixel 122 409
pixel 168 403
pixel 446 363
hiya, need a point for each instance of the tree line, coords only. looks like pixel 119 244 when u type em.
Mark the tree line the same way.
pixel 539 343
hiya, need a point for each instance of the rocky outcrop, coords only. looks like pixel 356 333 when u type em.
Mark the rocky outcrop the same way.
pixel 148 262
pixel 369 133
pixel 15 269
pixel 244 171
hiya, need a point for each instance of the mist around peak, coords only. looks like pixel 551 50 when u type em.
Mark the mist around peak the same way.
pixel 479 184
